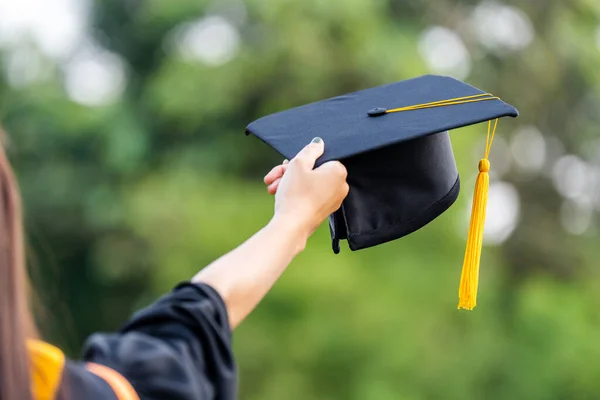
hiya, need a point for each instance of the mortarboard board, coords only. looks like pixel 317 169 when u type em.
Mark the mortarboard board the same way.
pixel 394 142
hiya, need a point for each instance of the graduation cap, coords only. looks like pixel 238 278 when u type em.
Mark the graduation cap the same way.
pixel 394 142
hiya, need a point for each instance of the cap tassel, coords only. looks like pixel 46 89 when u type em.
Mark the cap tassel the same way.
pixel 469 279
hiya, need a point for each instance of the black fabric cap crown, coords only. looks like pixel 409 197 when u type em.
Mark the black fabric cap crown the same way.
pixel 401 168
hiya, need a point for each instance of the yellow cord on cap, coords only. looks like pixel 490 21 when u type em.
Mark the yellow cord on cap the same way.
pixel 450 102
pixel 469 279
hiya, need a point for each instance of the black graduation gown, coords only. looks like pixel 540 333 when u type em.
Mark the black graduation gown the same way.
pixel 179 348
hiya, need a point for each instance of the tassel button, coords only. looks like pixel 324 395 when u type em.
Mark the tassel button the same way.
pixel 484 165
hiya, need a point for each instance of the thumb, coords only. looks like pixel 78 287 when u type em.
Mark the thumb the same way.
pixel 310 153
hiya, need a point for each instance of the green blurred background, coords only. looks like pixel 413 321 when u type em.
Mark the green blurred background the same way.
pixel 126 122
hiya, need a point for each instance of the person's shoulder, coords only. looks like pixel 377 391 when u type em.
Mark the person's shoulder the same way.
pixel 180 346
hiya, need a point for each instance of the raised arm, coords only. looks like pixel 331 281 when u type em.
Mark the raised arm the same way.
pixel 305 197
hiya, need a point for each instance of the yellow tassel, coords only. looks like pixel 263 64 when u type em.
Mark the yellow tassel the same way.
pixel 469 279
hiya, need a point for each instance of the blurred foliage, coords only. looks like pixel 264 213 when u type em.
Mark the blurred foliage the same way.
pixel 125 200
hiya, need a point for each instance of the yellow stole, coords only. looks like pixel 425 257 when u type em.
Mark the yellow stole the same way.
pixel 47 365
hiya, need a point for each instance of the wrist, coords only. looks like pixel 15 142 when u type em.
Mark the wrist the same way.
pixel 292 229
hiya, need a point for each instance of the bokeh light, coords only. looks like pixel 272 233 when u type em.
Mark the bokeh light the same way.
pixel 500 27
pixel 23 66
pixel 213 40
pixel 528 149
pixel 571 178
pixel 444 52
pixel 575 217
pixel 94 76
pixel 56 26
pixel 555 149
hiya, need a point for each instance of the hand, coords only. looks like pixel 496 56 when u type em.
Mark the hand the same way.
pixel 306 196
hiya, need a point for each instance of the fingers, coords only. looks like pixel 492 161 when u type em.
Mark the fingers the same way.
pixel 273 178
pixel 335 168
pixel 276 173
pixel 309 154
pixel 336 171
pixel 272 188
pixel 345 189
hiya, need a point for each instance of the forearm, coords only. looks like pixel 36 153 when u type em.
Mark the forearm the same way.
pixel 245 275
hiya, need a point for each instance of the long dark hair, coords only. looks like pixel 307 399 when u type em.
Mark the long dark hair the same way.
pixel 16 321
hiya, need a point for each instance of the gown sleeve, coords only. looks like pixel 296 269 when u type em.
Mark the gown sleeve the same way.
pixel 179 348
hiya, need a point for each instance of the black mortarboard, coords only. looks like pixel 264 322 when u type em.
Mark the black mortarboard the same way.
pixel 394 142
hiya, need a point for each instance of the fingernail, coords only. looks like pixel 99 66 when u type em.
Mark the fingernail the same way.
pixel 317 140
pixel 286 161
